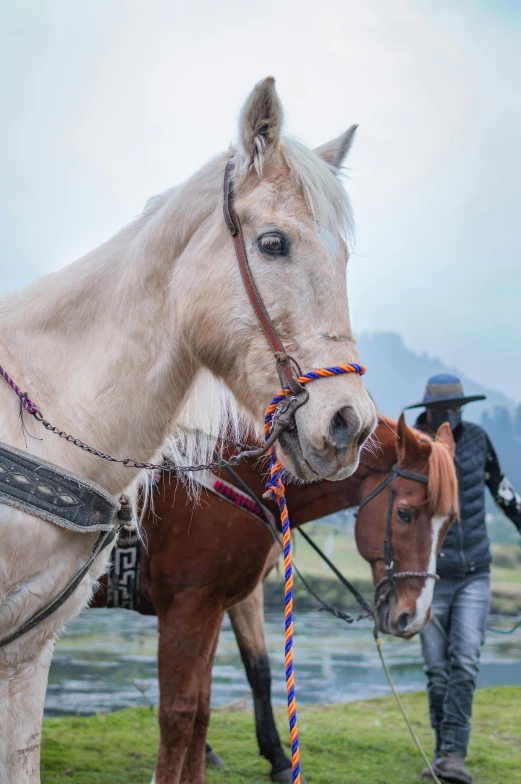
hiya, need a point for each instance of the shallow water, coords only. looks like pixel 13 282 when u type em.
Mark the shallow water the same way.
pixel 107 661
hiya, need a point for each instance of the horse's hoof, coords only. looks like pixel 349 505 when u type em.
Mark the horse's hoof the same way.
pixel 213 759
pixel 283 777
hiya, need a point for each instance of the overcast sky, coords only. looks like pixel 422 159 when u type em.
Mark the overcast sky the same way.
pixel 107 102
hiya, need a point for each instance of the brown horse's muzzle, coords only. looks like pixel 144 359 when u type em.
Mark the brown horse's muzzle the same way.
pixel 401 613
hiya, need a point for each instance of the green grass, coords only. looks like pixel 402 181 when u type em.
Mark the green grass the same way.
pixel 359 743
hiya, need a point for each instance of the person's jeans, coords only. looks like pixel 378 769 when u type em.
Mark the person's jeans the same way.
pixel 451 645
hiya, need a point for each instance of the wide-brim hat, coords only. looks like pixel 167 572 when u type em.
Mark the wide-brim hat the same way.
pixel 445 391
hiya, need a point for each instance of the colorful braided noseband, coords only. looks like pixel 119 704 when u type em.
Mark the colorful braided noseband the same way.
pixel 275 490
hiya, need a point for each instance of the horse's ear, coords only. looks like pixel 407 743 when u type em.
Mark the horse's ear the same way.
pixel 260 123
pixel 445 437
pixel 408 447
pixel 335 152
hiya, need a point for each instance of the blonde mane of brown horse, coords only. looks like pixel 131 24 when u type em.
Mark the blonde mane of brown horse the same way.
pixel 443 485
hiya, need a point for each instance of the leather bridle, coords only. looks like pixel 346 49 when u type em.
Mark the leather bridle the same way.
pixel 389 580
pixel 287 367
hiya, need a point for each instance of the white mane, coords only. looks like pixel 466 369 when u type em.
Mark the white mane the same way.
pixel 209 415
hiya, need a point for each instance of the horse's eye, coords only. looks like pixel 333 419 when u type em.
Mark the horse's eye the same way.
pixel 273 244
pixel 404 514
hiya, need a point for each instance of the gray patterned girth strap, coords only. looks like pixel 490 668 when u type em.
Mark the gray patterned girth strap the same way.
pixel 45 490
pixel 124 569
pixel 42 489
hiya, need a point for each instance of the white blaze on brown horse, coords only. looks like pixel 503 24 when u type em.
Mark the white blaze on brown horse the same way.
pixel 111 347
pixel 201 562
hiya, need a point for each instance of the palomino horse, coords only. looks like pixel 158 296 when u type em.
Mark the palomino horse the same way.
pixel 112 346
pixel 199 563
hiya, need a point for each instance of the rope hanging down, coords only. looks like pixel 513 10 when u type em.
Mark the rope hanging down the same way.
pixel 275 490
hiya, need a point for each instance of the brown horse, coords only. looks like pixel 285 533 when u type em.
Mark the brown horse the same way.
pixel 191 578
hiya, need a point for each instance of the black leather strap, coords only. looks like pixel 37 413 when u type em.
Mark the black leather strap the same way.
pixel 345 582
pixel 396 470
pixel 103 541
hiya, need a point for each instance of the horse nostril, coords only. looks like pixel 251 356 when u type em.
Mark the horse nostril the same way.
pixel 343 428
pixel 339 420
pixel 402 622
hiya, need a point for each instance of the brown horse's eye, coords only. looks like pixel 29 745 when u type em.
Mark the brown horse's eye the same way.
pixel 405 514
pixel 274 244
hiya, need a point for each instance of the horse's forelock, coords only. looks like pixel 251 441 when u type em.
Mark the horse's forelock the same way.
pixel 323 192
pixel 325 196
pixel 443 485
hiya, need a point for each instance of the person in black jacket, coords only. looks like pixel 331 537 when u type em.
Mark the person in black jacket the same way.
pixel 451 643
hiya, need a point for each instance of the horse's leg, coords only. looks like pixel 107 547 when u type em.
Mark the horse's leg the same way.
pixel 194 767
pixel 186 647
pixel 22 695
pixel 247 619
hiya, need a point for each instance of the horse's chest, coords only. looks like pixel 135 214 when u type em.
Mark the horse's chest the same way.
pixel 37 560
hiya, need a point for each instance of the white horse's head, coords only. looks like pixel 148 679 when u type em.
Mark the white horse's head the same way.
pixel 295 219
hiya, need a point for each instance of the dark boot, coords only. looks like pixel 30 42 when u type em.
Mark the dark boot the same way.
pixel 451 768
pixel 426 774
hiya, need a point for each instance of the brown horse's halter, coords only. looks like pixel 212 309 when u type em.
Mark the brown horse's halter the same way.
pixel 391 576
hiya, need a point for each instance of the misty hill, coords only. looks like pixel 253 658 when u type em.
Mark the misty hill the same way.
pixel 396 377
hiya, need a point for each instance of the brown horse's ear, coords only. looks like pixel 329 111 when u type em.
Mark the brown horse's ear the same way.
pixel 260 123
pixel 335 152
pixel 408 446
pixel 445 437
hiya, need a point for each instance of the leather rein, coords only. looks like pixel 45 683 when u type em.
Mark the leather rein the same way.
pixel 388 581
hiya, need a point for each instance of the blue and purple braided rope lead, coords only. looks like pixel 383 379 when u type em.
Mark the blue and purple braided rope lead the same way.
pixel 275 490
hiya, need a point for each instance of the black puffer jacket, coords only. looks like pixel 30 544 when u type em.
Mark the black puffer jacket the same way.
pixel 466 548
